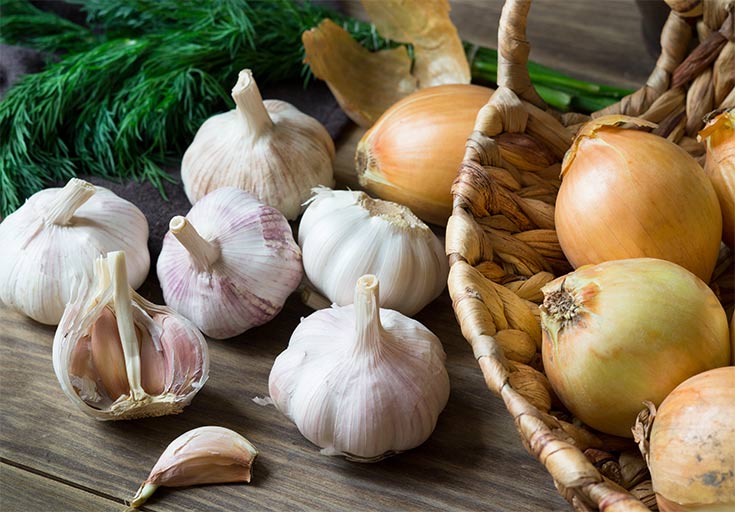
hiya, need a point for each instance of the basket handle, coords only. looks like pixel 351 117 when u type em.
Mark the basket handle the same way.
pixel 513 50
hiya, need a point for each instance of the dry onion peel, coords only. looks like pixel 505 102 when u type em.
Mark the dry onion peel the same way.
pixel 438 51
pixel 629 194
pixel 719 139
pixel 625 331
pixel 366 83
pixel 691 449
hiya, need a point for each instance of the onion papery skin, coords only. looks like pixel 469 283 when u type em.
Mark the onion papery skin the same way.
pixel 632 194
pixel 719 138
pixel 621 332
pixel 692 445
pixel 412 153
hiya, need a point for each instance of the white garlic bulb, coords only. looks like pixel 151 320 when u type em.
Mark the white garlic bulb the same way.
pixel 361 381
pixel 230 264
pixel 344 235
pixel 118 356
pixel 268 148
pixel 49 246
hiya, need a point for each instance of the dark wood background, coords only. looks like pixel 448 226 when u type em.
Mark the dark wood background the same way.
pixel 54 458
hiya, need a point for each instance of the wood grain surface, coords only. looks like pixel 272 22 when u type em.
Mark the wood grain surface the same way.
pixel 52 457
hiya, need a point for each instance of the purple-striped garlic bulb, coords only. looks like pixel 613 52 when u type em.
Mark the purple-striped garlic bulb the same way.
pixel 230 264
pixel 49 246
pixel 118 356
pixel 361 381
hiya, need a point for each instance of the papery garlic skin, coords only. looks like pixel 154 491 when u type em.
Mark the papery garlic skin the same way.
pixel 118 356
pixel 268 148
pixel 49 246
pixel 240 266
pixel 205 455
pixel 344 235
pixel 361 381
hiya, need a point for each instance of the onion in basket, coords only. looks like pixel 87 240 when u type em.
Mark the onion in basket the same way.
pixel 631 194
pixel 692 444
pixel 625 331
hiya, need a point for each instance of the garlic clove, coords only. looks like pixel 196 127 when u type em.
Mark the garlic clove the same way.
pixel 51 242
pixel 361 381
pixel 205 455
pixel 345 234
pixel 230 264
pixel 268 148
pixel 117 356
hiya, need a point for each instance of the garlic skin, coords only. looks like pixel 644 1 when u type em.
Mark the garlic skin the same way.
pixel 345 234
pixel 205 455
pixel 49 246
pixel 361 381
pixel 268 148
pixel 230 264
pixel 118 356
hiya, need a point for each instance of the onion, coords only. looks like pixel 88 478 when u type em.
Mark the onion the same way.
pixel 625 331
pixel 412 153
pixel 719 138
pixel 692 445
pixel 630 194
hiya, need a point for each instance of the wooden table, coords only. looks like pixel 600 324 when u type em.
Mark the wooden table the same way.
pixel 54 458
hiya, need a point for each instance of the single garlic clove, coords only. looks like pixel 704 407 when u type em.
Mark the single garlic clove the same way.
pixel 49 246
pixel 205 455
pixel 230 264
pixel 345 234
pixel 117 356
pixel 361 381
pixel 268 148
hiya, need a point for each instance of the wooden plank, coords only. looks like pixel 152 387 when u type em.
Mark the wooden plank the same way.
pixel 24 491
pixel 598 41
pixel 473 461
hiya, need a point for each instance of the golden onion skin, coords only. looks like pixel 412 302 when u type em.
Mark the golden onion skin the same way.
pixel 620 332
pixel 412 153
pixel 692 444
pixel 632 194
pixel 719 138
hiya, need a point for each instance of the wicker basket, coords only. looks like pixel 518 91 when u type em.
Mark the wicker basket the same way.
pixel 503 248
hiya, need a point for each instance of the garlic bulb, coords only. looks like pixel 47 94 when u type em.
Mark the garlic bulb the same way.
pixel 50 243
pixel 205 455
pixel 117 356
pixel 361 381
pixel 230 264
pixel 345 234
pixel 268 148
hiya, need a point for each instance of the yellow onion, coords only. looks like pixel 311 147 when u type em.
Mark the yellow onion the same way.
pixel 630 194
pixel 620 332
pixel 412 153
pixel 691 453
pixel 719 138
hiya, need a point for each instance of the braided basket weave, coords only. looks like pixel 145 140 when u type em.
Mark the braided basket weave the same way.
pixel 502 246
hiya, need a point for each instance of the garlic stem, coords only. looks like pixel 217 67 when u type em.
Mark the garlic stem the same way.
pixel 367 314
pixel 203 252
pixel 250 105
pixel 68 200
pixel 144 492
pixel 125 326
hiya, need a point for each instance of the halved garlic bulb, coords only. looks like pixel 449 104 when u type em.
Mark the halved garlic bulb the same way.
pixel 118 356
pixel 345 234
pixel 361 381
pixel 230 264
pixel 268 148
pixel 50 243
